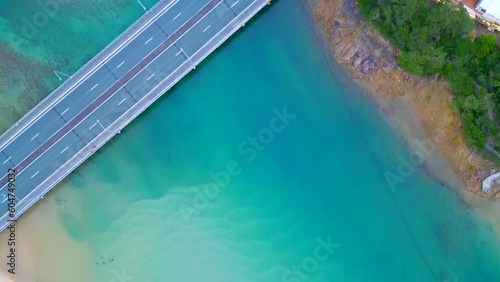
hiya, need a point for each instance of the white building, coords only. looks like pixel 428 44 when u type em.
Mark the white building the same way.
pixel 490 10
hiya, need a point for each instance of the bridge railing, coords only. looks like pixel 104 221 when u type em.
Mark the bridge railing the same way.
pixel 137 109
pixel 89 68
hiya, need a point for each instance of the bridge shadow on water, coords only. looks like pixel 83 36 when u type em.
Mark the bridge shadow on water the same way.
pixel 187 78
pixel 76 179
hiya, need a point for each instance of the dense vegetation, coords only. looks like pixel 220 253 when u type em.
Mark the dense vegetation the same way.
pixel 438 37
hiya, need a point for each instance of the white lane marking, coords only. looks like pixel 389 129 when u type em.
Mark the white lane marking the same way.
pixel 35 136
pixel 64 150
pixel 100 124
pixel 122 101
pixel 178 53
pixel 7 160
pixel 177 16
pixel 33 191
pixel 151 76
pixel 175 71
pixel 91 72
pixel 148 40
pixel 120 64
pixel 118 49
pixel 64 111
pixel 207 28
pixel 35 174
pixel 93 125
pixel 94 86
pixel 173 3
pixel 235 3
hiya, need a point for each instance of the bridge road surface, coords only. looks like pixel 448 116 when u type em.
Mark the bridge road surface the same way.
pixel 60 136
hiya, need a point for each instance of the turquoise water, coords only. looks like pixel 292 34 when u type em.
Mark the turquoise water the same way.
pixel 181 195
pixel 40 37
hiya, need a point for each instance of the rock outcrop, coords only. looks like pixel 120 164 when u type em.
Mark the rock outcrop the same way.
pixel 371 58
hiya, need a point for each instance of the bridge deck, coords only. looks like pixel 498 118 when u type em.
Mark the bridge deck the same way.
pixel 111 90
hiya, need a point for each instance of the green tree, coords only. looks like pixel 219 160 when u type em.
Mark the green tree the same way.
pixel 438 37
pixel 426 61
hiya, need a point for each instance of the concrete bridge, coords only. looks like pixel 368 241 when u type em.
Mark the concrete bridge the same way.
pixel 106 94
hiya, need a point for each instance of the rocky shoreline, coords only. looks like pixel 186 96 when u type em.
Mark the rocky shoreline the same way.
pixel 425 101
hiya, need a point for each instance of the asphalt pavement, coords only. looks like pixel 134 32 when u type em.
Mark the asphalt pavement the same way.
pixel 151 58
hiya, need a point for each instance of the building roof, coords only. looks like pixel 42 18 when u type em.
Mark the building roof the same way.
pixel 470 3
pixel 491 7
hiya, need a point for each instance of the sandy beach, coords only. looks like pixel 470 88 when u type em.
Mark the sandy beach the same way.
pixel 40 236
pixel 124 204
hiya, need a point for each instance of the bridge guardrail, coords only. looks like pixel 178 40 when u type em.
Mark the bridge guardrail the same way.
pixel 135 110
pixel 30 116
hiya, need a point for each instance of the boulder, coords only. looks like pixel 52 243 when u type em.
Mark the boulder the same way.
pixel 368 66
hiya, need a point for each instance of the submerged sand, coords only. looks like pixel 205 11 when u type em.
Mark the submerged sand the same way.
pixel 41 237
pixel 419 109
pixel 414 108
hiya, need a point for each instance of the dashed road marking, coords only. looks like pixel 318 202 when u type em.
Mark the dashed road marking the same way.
pixel 122 101
pixel 7 160
pixel 94 86
pixel 92 126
